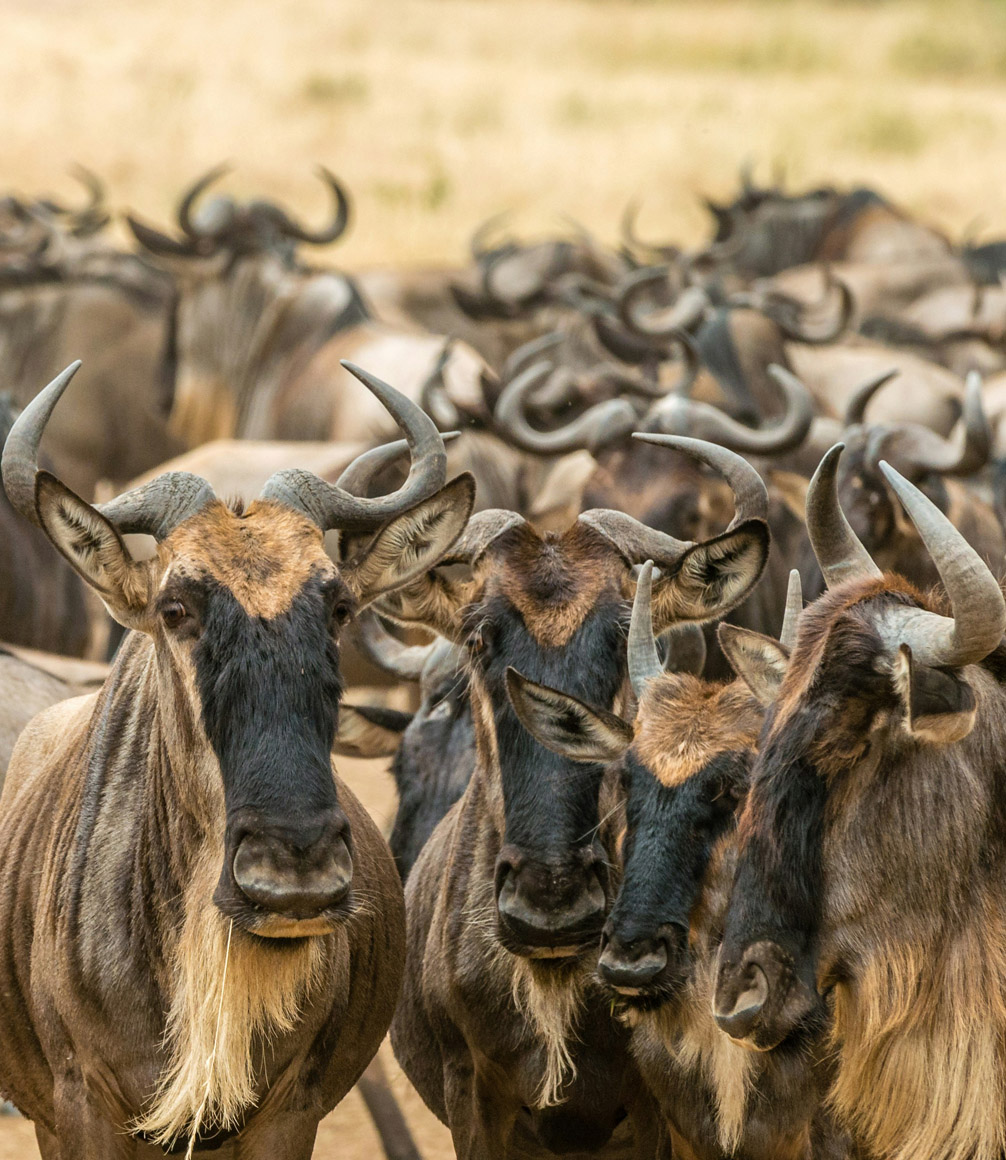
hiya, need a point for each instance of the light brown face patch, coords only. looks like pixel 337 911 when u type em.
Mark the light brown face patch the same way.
pixel 555 582
pixel 263 556
pixel 684 722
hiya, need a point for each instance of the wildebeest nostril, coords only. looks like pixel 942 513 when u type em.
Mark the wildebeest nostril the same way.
pixel 547 905
pixel 297 884
pixel 737 1009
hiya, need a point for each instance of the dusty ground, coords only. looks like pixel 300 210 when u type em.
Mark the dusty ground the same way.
pixel 441 112
pixel 347 1134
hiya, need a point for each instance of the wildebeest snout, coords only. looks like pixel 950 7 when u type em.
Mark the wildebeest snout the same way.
pixel 550 905
pixel 759 998
pixel 634 962
pixel 295 873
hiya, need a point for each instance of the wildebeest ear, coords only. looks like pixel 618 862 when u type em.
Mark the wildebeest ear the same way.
pixel 91 545
pixel 411 544
pixel 939 704
pixel 758 660
pixel 369 731
pixel 564 724
pixel 712 577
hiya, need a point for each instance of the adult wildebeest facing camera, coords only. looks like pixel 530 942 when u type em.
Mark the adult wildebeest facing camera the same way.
pixel 202 930
pixel 871 850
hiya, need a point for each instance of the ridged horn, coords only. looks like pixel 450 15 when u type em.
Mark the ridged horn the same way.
pixel 643 658
pixel 387 652
pixel 154 509
pixel 331 506
pixel 838 549
pixel 979 611
pixel 638 542
pixel 794 606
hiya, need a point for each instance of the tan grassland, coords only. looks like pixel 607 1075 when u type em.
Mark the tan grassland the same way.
pixel 440 112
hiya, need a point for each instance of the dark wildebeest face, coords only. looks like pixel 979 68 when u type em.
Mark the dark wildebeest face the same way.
pixel 877 690
pixel 245 610
pixel 683 769
pixel 556 607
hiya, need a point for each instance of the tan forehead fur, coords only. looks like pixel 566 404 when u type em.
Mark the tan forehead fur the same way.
pixel 264 556
pixel 554 582
pixel 684 722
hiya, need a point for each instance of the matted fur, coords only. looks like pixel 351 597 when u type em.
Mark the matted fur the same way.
pixel 217 1013
pixel 551 1005
pixel 921 1041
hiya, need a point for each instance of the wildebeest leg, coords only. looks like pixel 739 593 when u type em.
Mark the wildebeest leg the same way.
pixel 386 1114
pixel 478 1112
pixel 82 1131
pixel 48 1145
pixel 282 1136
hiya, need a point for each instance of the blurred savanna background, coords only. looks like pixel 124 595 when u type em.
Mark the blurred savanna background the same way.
pixel 438 113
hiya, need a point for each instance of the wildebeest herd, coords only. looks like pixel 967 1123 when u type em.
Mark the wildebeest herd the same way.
pixel 683 866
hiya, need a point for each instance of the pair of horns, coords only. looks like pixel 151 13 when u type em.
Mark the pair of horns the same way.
pixel 686 644
pixel 979 611
pixel 158 507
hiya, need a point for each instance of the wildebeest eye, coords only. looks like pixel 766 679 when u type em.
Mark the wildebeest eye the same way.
pixel 173 613
pixel 341 612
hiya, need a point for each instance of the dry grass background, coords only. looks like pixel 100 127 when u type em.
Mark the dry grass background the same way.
pixel 440 112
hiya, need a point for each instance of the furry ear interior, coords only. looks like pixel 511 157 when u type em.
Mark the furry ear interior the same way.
pixel 564 724
pixel 411 544
pixel 369 731
pixel 758 660
pixel 939 705
pixel 712 577
pixel 92 546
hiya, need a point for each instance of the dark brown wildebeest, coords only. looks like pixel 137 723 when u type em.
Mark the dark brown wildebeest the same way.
pixel 871 846
pixel 501 1027
pixel 684 768
pixel 203 931
pixel 42 601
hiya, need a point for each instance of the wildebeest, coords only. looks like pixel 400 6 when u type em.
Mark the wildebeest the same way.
pixel 684 766
pixel 202 930
pixel 501 1027
pixel 871 850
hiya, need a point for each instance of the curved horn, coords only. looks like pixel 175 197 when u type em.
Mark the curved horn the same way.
pixel 639 542
pixel 643 658
pixel 855 409
pixel 340 217
pixel 186 205
pixel 838 549
pixel 153 509
pixel 794 606
pixel 606 421
pixel 93 186
pixel 928 453
pixel 433 397
pixel 478 246
pixel 388 652
pixel 665 322
pixel 679 416
pixel 647 387
pixel 331 506
pixel 979 610
pixel 794 331
pixel 483 528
